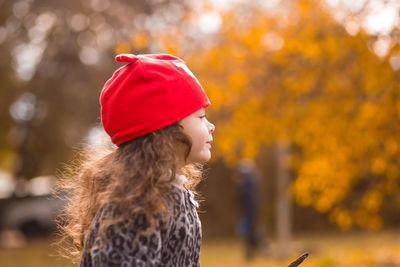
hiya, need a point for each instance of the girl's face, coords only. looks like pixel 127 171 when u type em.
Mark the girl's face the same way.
pixel 200 130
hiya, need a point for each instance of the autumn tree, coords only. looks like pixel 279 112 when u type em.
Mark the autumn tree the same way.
pixel 295 74
pixel 56 56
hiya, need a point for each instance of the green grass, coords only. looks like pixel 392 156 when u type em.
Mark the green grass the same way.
pixel 38 253
pixel 343 249
pixel 339 249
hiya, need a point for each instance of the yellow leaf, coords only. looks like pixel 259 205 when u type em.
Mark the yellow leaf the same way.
pixel 122 48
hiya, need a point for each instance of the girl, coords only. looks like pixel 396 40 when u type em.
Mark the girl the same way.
pixel 133 206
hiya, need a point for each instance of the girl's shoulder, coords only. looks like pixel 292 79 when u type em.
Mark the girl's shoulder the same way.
pixel 178 201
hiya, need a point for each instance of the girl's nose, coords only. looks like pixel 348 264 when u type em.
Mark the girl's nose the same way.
pixel 211 127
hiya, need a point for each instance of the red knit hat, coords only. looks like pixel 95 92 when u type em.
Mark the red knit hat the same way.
pixel 149 93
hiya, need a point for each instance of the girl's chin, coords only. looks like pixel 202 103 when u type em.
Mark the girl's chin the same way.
pixel 200 159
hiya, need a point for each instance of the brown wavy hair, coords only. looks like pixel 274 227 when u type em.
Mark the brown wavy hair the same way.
pixel 135 177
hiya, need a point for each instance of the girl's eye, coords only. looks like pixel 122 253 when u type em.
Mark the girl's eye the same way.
pixel 202 117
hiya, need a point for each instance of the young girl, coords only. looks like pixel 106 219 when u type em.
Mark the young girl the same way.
pixel 133 207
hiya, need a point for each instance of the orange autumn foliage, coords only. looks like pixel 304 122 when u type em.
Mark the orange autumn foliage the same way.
pixel 300 77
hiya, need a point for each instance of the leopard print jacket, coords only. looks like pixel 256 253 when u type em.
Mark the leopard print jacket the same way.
pixel 175 242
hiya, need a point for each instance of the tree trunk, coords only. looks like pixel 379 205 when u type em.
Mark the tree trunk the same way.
pixel 283 205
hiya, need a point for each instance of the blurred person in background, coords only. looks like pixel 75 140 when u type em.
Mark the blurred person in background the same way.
pixel 249 227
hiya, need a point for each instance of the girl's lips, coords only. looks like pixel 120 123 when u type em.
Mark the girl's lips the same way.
pixel 209 143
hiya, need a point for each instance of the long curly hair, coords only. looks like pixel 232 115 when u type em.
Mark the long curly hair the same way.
pixel 135 177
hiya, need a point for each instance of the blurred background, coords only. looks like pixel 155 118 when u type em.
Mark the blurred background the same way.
pixel 305 98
